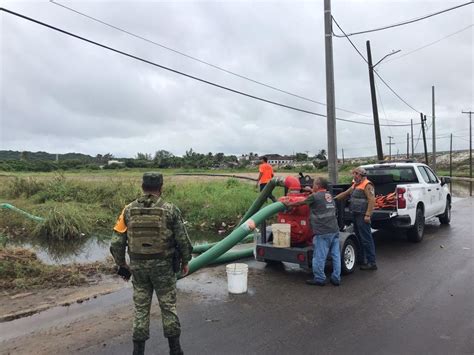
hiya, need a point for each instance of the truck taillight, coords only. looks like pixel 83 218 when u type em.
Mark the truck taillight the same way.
pixel 301 257
pixel 260 251
pixel 402 203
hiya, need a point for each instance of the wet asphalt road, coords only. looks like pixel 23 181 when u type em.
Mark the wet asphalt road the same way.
pixel 420 301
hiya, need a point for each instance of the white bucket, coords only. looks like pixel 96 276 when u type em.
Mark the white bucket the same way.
pixel 281 235
pixel 237 277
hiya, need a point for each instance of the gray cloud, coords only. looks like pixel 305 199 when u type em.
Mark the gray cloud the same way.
pixel 60 95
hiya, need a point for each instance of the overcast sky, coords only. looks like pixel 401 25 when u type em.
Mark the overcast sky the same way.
pixel 61 95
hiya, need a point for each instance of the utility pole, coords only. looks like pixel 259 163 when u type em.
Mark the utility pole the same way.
pixel 330 95
pixel 412 142
pixel 375 111
pixel 408 145
pixel 433 127
pixel 451 155
pixel 451 161
pixel 423 120
pixel 470 149
pixel 390 147
pixel 342 155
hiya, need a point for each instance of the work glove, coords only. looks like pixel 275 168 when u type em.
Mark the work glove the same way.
pixel 124 272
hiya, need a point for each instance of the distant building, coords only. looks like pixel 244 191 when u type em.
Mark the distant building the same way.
pixel 278 160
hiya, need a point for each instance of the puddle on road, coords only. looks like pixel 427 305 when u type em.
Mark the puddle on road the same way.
pixel 210 284
pixel 63 315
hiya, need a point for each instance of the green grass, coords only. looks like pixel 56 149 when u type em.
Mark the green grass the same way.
pixel 76 204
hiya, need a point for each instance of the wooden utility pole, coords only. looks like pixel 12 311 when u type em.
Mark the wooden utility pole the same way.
pixel 330 96
pixel 423 120
pixel 408 145
pixel 470 149
pixel 342 155
pixel 390 147
pixel 433 126
pixel 412 142
pixel 375 111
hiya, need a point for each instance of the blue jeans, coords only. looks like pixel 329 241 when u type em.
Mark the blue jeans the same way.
pixel 271 197
pixel 364 233
pixel 324 244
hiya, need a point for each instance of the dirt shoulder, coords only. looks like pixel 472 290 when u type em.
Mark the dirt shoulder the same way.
pixel 21 303
pixel 28 286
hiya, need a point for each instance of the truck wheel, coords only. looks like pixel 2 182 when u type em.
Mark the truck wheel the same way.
pixel 415 233
pixel 348 257
pixel 445 218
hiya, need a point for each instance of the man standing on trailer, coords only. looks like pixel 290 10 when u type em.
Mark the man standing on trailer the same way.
pixel 362 195
pixel 326 232
pixel 266 174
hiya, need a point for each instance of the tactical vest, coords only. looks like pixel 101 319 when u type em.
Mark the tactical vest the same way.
pixel 147 229
pixel 323 214
pixel 359 202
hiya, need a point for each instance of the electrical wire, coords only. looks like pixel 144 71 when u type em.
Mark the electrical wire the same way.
pixel 179 72
pixel 428 45
pixel 199 60
pixel 383 81
pixel 405 22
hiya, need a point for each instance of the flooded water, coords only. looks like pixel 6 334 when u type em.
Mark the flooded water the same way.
pixel 460 188
pixel 95 248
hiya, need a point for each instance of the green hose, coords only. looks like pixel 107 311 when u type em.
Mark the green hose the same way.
pixel 233 255
pixel 26 214
pixel 260 200
pixel 201 248
pixel 235 237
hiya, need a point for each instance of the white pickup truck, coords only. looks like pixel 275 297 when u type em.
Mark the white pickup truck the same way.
pixel 416 195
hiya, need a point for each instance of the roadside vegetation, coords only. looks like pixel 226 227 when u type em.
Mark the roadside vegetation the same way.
pixel 74 206
pixel 21 269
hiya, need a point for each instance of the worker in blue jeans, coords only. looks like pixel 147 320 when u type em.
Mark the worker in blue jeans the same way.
pixel 326 232
pixel 362 204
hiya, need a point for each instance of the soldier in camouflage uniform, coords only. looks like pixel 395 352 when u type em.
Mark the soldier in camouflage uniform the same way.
pixel 154 232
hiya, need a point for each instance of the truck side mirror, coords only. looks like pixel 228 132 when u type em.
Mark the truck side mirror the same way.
pixel 445 180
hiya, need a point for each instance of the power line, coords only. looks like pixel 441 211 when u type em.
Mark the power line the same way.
pixel 404 22
pixel 179 72
pixel 429 44
pixel 375 71
pixel 198 59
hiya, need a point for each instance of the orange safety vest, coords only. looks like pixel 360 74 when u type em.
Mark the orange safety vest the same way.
pixel 359 202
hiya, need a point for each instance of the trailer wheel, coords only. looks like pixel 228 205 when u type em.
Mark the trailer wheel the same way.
pixel 348 257
pixel 445 218
pixel 415 233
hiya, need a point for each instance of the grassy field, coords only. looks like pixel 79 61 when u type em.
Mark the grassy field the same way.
pixel 87 202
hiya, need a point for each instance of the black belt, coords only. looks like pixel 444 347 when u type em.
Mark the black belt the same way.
pixel 136 256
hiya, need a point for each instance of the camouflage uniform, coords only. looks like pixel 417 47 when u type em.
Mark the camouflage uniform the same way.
pixel 155 273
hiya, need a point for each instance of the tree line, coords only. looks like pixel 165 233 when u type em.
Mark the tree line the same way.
pixel 162 159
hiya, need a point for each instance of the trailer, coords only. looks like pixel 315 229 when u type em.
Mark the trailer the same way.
pixel 301 250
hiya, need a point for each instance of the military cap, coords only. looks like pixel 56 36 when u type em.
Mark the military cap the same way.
pixel 153 179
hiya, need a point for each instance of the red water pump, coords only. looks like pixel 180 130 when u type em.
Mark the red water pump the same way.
pixel 297 217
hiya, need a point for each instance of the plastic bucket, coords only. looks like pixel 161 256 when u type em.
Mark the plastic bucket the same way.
pixel 281 235
pixel 237 278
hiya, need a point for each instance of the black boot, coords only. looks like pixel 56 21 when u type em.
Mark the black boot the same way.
pixel 175 347
pixel 138 347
